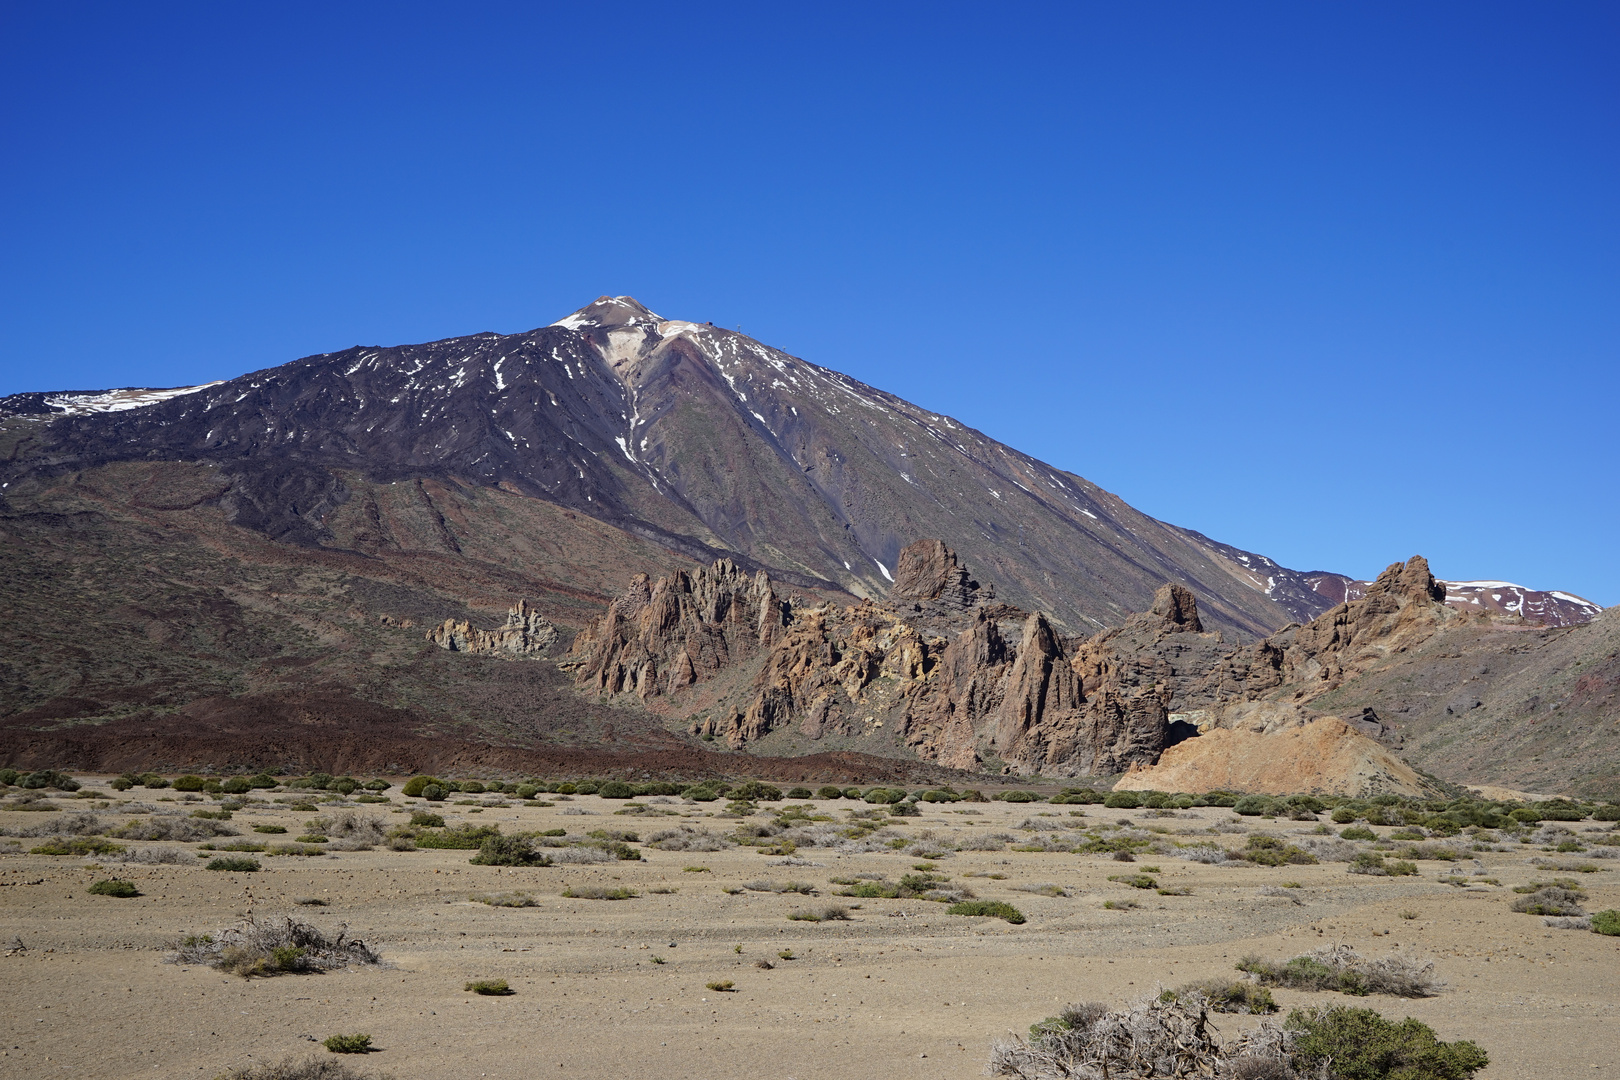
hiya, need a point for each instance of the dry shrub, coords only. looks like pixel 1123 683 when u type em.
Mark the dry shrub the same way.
pixel 83 824
pixel 314 1068
pixel 274 946
pixel 687 838
pixel 155 857
pixel 803 887
pixel 1551 900
pixel 506 899
pixel 986 842
pixel 1091 1042
pixel 597 892
pixel 1043 824
pixel 1330 849
pixel 184 829
pixel 352 828
pixel 1226 996
pixel 1341 968
pixel 1168 1038
pixel 1212 854
pixel 1044 888
pixel 583 855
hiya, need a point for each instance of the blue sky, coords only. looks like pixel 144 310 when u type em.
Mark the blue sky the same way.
pixel 1336 283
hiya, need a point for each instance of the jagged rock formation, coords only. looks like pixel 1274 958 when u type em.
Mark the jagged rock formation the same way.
pixel 1400 610
pixel 1252 708
pixel 660 638
pixel 935 669
pixel 929 577
pixel 526 633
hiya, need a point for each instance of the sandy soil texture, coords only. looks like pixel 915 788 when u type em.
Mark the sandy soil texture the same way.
pixel 616 988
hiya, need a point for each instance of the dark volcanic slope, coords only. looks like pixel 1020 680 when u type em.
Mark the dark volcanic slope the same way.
pixel 700 439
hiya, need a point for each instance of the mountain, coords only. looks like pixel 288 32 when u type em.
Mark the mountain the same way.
pixel 260 560
pixel 694 437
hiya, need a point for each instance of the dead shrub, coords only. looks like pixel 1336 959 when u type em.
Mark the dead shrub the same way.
pixel 301 1069
pixel 273 946
pixel 687 838
pixel 184 829
pixel 154 857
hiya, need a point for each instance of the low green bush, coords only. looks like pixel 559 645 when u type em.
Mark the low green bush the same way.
pixel 1273 851
pixel 826 914
pixel 114 887
pixel 757 791
pixel 79 845
pixel 997 909
pixel 1358 832
pixel 460 838
pixel 1606 922
pixel 489 987
pixel 1359 1044
pixel 242 866
pixel 1135 881
pixel 348 1044
pixel 500 850
pixel 598 892
pixel 1254 806
pixel 416 785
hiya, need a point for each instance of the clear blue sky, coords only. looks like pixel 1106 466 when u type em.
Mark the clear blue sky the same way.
pixel 1333 282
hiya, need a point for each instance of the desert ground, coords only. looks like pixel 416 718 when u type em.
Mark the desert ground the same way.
pixel 616 988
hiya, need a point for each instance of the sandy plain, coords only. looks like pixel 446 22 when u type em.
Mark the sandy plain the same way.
pixel 899 990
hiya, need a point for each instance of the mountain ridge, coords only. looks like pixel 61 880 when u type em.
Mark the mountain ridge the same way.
pixel 649 424
pixel 695 437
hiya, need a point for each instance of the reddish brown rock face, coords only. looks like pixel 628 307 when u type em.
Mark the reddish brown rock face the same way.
pixel 939 673
pixel 935 664
pixel 664 637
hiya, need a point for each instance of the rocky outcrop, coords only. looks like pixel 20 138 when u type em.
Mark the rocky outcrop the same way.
pixel 1402 608
pixel 928 578
pixel 658 638
pixel 526 633
pixel 935 669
